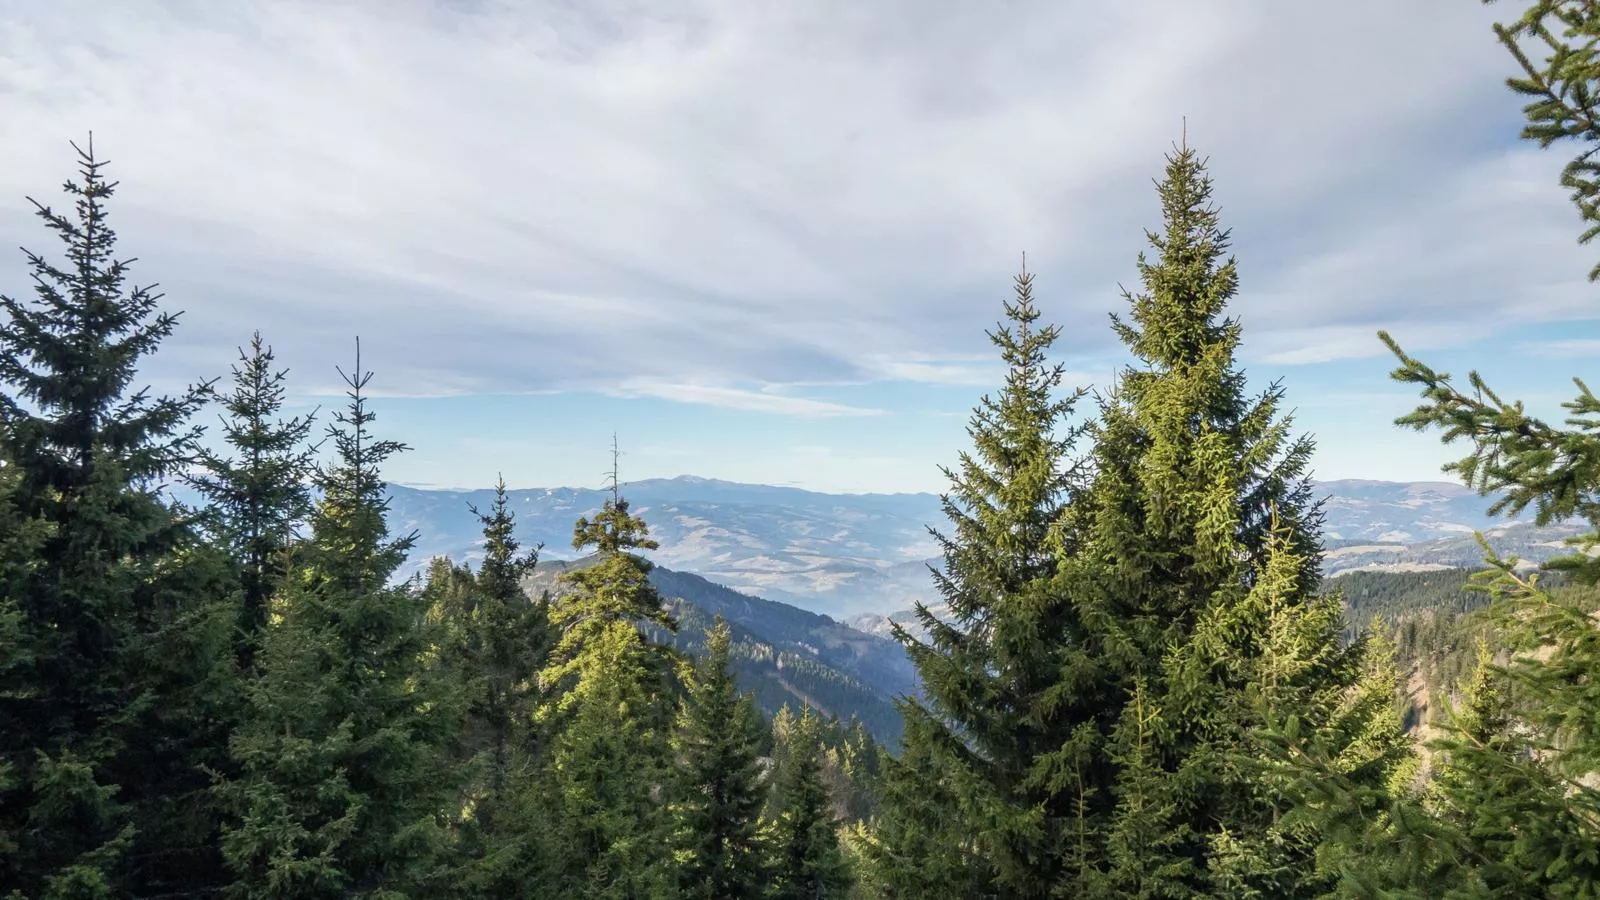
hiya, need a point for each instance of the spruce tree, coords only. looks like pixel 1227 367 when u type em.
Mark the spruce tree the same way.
pixel 807 863
pixel 497 640
pixel 259 497
pixel 1006 674
pixel 614 591
pixel 20 541
pixel 1511 809
pixel 1488 773
pixel 509 641
pixel 1194 555
pixel 610 701
pixel 122 699
pixel 718 787
pixel 506 644
pixel 343 786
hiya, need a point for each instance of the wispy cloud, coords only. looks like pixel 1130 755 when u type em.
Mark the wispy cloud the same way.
pixel 958 372
pixel 1563 349
pixel 760 401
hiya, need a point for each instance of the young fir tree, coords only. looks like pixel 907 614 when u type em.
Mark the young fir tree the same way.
pixel 122 698
pixel 719 790
pixel 259 496
pixel 340 791
pixel 610 703
pixel 1195 542
pixel 807 862
pixel 1006 671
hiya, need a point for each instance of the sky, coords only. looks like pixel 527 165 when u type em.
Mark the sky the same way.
pixel 761 240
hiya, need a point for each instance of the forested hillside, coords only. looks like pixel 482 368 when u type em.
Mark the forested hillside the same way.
pixel 783 655
pixel 1133 682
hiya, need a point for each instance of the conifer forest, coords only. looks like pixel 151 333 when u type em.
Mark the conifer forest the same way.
pixel 1137 683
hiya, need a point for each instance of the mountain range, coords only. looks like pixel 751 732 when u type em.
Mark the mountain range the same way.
pixel 866 555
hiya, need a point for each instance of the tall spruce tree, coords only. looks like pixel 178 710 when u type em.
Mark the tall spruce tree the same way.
pixel 507 642
pixel 498 642
pixel 610 703
pixel 1192 554
pixel 122 698
pixel 808 863
pixel 719 790
pixel 999 692
pixel 343 784
pixel 259 497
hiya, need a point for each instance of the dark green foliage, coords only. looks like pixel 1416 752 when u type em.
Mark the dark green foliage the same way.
pixel 342 784
pixel 914 851
pixel 608 763
pixel 852 768
pixel 259 496
pixel 808 863
pixel 992 670
pixel 71 355
pixel 616 590
pixel 1393 596
pixel 111 694
pixel 718 788
pixel 1141 689
pixel 1510 810
pixel 1437 621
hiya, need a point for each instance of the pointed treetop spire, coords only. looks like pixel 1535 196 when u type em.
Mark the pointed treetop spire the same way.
pixel 359 379
pixel 616 483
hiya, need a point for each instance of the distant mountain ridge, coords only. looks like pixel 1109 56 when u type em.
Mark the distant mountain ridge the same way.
pixel 832 553
pixel 853 554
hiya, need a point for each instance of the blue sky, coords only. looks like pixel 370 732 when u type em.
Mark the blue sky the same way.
pixel 761 240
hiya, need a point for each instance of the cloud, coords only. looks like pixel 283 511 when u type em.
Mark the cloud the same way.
pixel 511 197
pixel 1563 349
pixel 760 401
